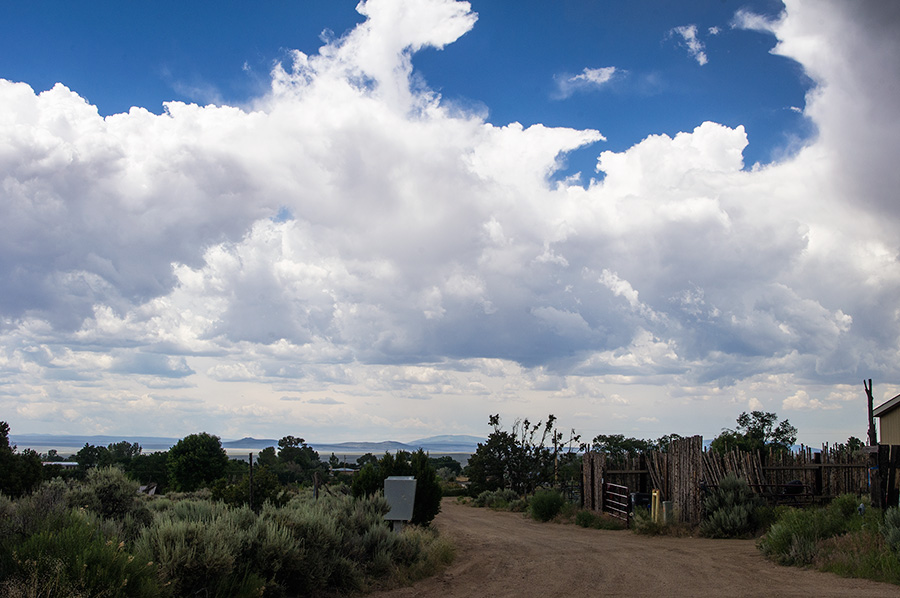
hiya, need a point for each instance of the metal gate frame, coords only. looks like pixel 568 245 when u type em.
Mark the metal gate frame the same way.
pixel 616 501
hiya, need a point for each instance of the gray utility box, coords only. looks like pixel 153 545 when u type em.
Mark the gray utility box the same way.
pixel 400 492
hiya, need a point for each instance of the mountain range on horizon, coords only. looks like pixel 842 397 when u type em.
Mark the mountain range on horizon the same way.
pixel 446 443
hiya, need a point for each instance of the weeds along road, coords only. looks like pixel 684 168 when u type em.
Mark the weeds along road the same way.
pixel 503 554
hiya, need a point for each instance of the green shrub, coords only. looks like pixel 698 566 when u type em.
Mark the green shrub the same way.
pixel 199 556
pixel 453 489
pixel 890 529
pixel 546 504
pixel 730 510
pixel 187 547
pixel 642 523
pixel 585 518
pixel 107 492
pixel 495 499
pixel 77 559
pixel 432 554
pixel 794 539
pixel 862 553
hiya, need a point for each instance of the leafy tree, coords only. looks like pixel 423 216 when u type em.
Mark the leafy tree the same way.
pixel 852 446
pixel 52 456
pixel 664 442
pixel 267 457
pixel 21 472
pixel 123 452
pixel 297 461
pixel 196 461
pixel 447 462
pixel 428 489
pixel 756 431
pixel 617 446
pixel 519 459
pixel 150 468
pixel 489 468
pixel 92 456
pixel 367 458
pixel 266 488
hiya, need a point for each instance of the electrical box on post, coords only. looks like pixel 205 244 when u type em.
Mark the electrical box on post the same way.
pixel 400 493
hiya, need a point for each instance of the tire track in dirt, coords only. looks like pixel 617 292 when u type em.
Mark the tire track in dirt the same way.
pixel 504 555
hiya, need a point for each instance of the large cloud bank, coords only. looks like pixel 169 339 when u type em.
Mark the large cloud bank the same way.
pixel 348 231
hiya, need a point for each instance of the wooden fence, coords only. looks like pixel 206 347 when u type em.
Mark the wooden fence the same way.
pixel 884 469
pixel 681 473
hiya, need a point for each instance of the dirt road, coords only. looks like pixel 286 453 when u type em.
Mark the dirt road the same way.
pixel 505 554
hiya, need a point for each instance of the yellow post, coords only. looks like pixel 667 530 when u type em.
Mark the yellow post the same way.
pixel 654 506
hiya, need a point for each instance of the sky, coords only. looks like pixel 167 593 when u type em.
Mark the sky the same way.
pixel 392 219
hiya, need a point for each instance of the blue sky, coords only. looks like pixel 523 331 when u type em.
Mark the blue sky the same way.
pixel 137 54
pixel 392 219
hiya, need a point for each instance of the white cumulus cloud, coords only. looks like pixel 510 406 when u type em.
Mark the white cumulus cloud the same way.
pixel 349 234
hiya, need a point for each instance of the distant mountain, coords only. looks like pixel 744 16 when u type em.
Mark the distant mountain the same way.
pixel 449 443
pixel 43 442
pixel 375 448
pixel 70 443
pixel 249 443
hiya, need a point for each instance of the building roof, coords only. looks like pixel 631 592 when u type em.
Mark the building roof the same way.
pixel 886 407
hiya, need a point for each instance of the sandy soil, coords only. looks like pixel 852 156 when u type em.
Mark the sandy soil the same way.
pixel 506 554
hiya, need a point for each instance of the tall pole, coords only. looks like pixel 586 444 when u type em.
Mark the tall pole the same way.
pixel 873 436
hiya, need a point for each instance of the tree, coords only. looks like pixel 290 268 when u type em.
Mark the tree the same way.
pixel 428 489
pixel 851 447
pixel 756 431
pixel 267 457
pixel 20 473
pixel 664 442
pixel 52 456
pixel 266 488
pixel 150 468
pixel 297 461
pixel 446 462
pixel 367 458
pixel 518 459
pixel 123 452
pixel 617 446
pixel 92 456
pixel 196 461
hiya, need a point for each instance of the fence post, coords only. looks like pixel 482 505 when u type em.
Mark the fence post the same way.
pixel 893 496
pixel 817 459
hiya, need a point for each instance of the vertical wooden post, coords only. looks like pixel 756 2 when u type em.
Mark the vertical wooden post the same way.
pixel 878 474
pixel 817 480
pixel 892 492
pixel 587 482
pixel 873 435
pixel 600 474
